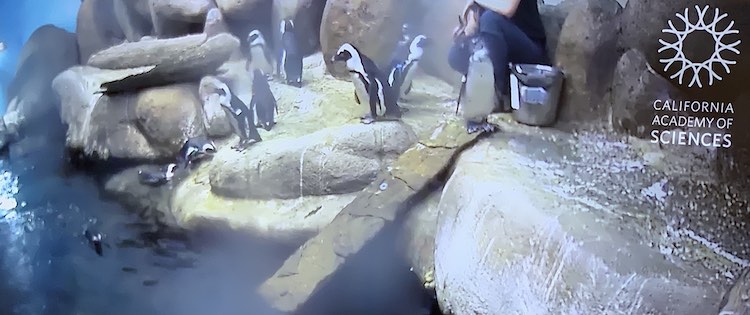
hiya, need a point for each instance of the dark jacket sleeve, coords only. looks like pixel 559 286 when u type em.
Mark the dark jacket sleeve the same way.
pixel 458 56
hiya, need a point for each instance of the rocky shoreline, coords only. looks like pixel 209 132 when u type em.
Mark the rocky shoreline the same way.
pixel 584 217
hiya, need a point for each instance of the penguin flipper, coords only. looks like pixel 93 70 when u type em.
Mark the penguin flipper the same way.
pixel 408 89
pixel 461 94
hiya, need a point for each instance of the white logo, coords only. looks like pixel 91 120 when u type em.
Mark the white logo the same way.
pixel 697 67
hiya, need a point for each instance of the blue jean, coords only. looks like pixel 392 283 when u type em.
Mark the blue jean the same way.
pixel 506 43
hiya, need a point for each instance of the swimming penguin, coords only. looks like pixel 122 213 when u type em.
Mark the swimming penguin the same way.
pixel 290 58
pixel 402 74
pixel 242 118
pixel 263 101
pixel 158 178
pixel 259 56
pixel 194 150
pixel 369 84
pixel 95 240
pixel 478 96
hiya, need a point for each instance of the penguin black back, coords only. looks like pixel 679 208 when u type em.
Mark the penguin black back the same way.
pixel 263 101
pixel 291 56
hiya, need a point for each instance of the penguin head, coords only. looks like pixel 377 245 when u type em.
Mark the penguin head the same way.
pixel 286 26
pixel 345 53
pixel 421 41
pixel 255 38
pixel 213 15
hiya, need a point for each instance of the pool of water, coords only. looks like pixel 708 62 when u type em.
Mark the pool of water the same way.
pixel 48 267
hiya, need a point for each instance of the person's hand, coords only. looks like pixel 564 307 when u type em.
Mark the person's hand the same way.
pixel 468 21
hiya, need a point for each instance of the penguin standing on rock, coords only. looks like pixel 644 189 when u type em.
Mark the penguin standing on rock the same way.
pixel 402 74
pixel 369 85
pixel 259 56
pixel 290 57
pixel 158 178
pixel 263 101
pixel 478 96
pixel 242 117
pixel 194 150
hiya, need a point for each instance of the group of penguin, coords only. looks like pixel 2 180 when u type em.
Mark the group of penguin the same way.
pixel 382 91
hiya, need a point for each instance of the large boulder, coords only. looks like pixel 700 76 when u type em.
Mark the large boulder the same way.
pixel 635 87
pixel 521 245
pixel 183 59
pixel 97 27
pixel 49 51
pixel 587 54
pixel 150 124
pixel 372 27
pixel 331 161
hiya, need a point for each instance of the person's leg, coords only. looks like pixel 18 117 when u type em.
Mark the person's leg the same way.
pixel 507 43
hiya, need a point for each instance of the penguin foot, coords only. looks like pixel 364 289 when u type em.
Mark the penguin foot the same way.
pixel 473 127
pixel 244 144
pixel 367 119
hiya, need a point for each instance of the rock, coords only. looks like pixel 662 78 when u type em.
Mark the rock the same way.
pixel 331 161
pixel 417 238
pixel 537 252
pixel 168 116
pixel 587 54
pixel 183 59
pixel 642 23
pixel 736 300
pixel 134 18
pixel 127 189
pixel 241 9
pixel 193 11
pixel 215 23
pixel 49 51
pixel 635 87
pixel 97 27
pixel 147 125
pixel 372 27
pixel 307 16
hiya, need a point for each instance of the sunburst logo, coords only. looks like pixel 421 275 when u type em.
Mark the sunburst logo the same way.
pixel 697 67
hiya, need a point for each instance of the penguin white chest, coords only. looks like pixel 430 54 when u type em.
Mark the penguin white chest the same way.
pixel 360 89
pixel 479 97
pixel 260 59
pixel 409 76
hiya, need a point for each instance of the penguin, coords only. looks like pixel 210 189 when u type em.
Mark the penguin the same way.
pixel 263 101
pixel 242 118
pixel 259 56
pixel 369 84
pixel 194 150
pixel 402 47
pixel 478 96
pixel 158 178
pixel 402 74
pixel 95 241
pixel 290 57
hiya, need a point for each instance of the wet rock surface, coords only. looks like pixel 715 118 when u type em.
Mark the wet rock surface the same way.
pixel 554 241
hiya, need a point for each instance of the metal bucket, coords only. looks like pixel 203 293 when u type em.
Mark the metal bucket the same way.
pixel 535 93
